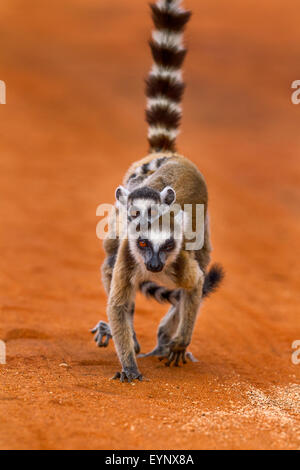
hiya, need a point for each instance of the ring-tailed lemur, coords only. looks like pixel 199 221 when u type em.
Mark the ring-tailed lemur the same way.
pixel 155 260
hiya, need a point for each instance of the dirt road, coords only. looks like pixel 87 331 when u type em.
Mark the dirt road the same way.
pixel 72 124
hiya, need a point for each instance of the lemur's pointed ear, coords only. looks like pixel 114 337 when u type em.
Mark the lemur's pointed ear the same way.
pixel 122 195
pixel 168 195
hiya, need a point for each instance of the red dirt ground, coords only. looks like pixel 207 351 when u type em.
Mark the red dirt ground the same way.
pixel 72 124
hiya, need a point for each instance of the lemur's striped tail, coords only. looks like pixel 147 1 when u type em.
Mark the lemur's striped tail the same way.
pixel 213 279
pixel 164 86
pixel 159 293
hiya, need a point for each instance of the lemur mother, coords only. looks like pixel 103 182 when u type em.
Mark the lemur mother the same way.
pixel 155 261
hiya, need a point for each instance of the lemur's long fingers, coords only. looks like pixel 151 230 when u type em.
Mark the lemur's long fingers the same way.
pixel 98 339
pixel 178 356
pixel 123 377
pixel 103 344
pixel 129 377
pixel 170 359
pixel 106 341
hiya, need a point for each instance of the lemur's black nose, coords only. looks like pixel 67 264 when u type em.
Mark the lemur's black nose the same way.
pixel 154 267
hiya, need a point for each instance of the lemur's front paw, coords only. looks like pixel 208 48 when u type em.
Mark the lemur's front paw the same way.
pixel 177 352
pixel 102 330
pixel 128 374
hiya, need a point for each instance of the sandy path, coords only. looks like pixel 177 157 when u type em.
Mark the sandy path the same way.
pixel 71 126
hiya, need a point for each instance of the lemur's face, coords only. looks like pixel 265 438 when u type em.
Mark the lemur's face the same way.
pixel 154 238
pixel 155 253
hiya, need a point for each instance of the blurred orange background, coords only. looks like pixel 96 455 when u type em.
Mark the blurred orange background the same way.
pixel 72 124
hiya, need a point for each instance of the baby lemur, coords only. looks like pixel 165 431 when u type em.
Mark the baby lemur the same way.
pixel 153 256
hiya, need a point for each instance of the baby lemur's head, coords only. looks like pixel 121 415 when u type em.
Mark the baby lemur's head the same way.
pixel 154 225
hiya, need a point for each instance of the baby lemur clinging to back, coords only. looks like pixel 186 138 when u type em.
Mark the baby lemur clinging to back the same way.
pixel 151 256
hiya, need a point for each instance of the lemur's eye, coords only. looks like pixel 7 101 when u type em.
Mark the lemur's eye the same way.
pixel 133 212
pixel 169 246
pixel 142 244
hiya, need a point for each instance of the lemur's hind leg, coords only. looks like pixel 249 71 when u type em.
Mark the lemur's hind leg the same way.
pixel 189 305
pixel 165 332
